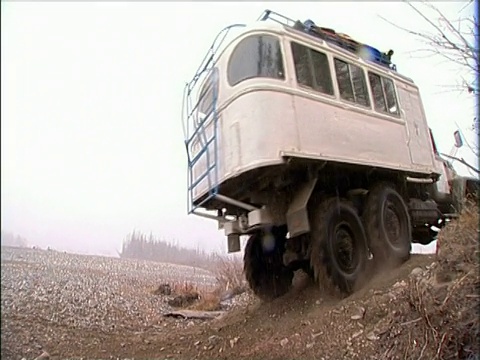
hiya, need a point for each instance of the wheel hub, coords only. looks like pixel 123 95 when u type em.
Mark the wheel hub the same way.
pixel 344 248
pixel 392 224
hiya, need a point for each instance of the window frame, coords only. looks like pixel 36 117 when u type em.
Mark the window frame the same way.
pixel 311 67
pixel 396 114
pixel 231 56
pixel 365 83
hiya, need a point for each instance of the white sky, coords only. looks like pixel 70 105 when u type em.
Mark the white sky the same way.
pixel 91 92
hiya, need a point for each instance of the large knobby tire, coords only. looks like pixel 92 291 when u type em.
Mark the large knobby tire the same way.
pixel 338 244
pixel 388 226
pixel 263 265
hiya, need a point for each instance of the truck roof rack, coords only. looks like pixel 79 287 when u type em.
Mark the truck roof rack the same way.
pixel 343 41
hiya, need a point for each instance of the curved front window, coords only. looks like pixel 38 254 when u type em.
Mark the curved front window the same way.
pixel 256 56
pixel 208 94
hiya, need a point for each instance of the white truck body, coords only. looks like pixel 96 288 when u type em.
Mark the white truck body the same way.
pixel 262 120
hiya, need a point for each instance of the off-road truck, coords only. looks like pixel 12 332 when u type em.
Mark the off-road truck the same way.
pixel 314 146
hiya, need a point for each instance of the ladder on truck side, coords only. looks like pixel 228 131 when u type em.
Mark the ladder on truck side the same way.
pixel 200 124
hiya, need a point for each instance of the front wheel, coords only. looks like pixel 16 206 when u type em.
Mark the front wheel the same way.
pixel 263 264
pixel 339 244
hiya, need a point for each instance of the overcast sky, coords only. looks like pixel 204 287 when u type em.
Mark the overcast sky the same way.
pixel 91 141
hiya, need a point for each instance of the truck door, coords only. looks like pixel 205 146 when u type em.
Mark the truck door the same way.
pixel 417 129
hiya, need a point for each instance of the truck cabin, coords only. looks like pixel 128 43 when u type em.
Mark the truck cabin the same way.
pixel 275 75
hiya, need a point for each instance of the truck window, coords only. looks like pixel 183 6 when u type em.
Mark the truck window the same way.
pixel 209 89
pixel 312 69
pixel 384 97
pixel 377 92
pixel 351 83
pixel 391 97
pixel 256 56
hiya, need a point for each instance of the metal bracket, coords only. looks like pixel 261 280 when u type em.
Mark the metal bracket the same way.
pixel 233 242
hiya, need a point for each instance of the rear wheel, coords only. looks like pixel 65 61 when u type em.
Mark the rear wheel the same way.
pixel 387 224
pixel 263 264
pixel 339 244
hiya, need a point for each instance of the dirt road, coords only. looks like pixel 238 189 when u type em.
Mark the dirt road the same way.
pixel 107 310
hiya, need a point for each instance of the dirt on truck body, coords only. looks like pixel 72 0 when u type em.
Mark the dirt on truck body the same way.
pixel 317 148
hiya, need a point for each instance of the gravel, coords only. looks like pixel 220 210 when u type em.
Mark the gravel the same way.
pixel 44 290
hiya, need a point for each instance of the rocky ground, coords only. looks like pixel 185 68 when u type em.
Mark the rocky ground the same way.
pixel 50 298
pixel 73 306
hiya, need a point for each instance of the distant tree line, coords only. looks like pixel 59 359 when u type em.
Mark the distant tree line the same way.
pixel 140 246
pixel 9 239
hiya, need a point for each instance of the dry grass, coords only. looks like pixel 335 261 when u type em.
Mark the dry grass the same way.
pixel 446 303
pixel 208 301
pixel 229 274
pixel 230 282
pixel 185 288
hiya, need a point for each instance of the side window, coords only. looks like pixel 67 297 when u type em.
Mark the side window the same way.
pixel 377 92
pixel 391 97
pixel 383 90
pixel 321 69
pixel 312 69
pixel 351 83
pixel 303 69
pixel 343 78
pixel 256 56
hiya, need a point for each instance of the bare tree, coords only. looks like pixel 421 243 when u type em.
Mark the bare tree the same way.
pixel 454 40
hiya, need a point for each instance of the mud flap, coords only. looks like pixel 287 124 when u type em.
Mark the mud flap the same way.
pixel 297 214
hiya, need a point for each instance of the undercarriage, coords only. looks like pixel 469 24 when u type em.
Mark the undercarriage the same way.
pixel 330 232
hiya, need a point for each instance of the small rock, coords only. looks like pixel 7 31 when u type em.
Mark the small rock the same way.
pixel 310 345
pixel 213 340
pixel 44 356
pixel 360 312
pixel 190 324
pixel 234 341
pixel 196 343
pixel 399 284
pixel 372 337
pixel 418 271
pixel 317 334
pixel 283 342
pixel 318 302
pixel 357 334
